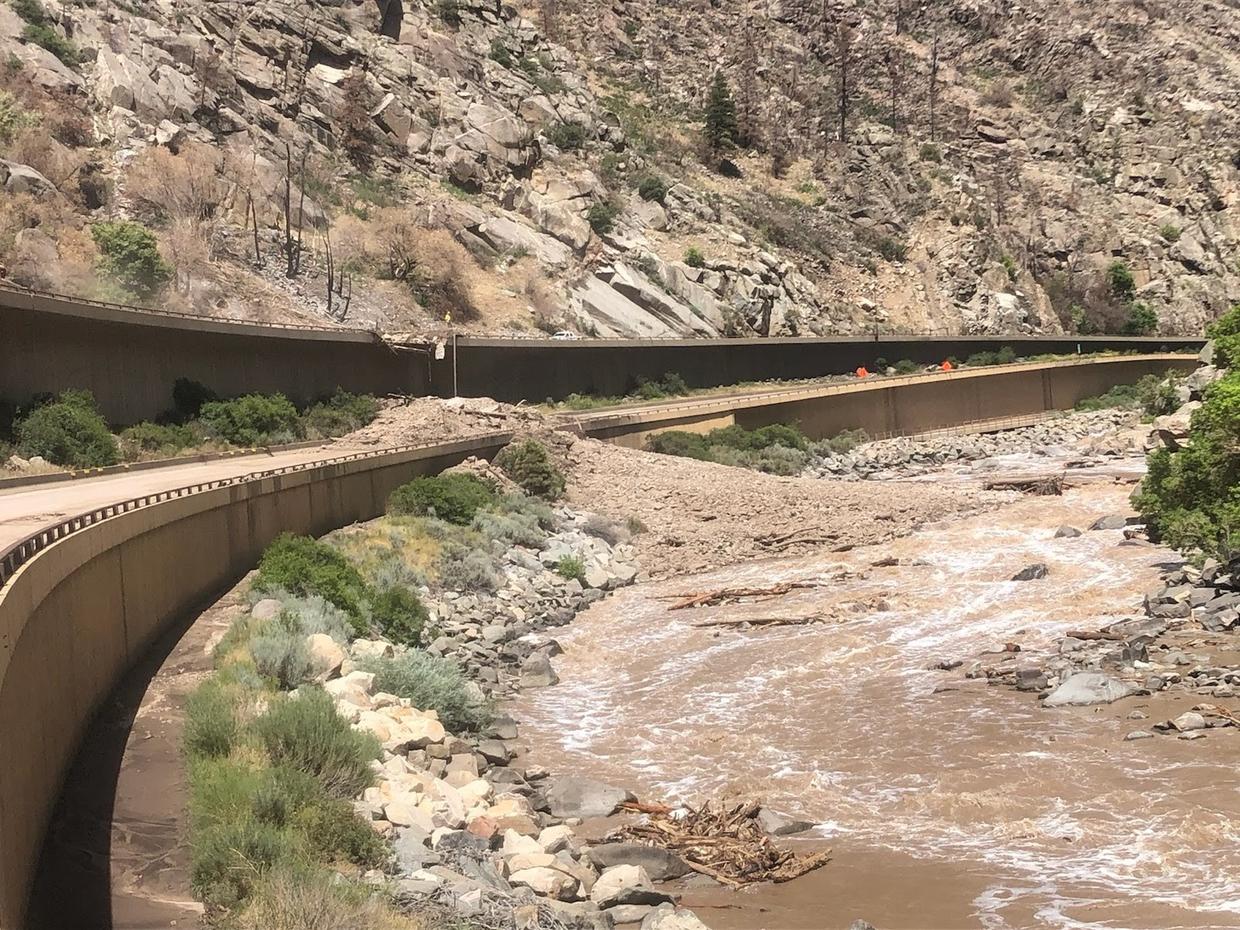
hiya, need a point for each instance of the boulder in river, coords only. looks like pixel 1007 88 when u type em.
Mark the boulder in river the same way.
pixel 1067 532
pixel 1032 572
pixel 660 864
pixel 1114 521
pixel 569 796
pixel 777 824
pixel 1088 688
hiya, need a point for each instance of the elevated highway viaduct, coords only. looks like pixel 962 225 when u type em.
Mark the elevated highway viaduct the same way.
pixel 93 570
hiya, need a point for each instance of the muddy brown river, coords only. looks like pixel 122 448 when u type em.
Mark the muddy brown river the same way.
pixel 947 802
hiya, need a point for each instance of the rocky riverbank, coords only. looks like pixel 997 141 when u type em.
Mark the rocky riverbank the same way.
pixel 1095 433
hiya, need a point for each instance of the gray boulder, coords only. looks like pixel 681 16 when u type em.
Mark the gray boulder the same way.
pixel 777 824
pixel 1114 521
pixel 22 179
pixel 1067 532
pixel 659 864
pixel 570 796
pixel 669 917
pixel 625 884
pixel 1032 572
pixel 1088 688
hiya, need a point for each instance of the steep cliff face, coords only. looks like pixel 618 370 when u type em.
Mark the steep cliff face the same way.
pixel 954 167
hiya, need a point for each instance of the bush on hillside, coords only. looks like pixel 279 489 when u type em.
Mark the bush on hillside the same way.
pixel 307 734
pixel 1225 331
pixel 462 568
pixel 341 414
pixel 69 432
pixel 571 568
pixel 432 683
pixel 280 653
pixel 842 442
pixel 230 860
pixel 211 724
pixel 305 566
pixel 528 464
pixel 337 834
pixel 154 439
pixel 1191 498
pixel 567 136
pixel 680 443
pixel 652 187
pixel 129 254
pixel 252 419
pixel 399 614
pixel 299 899
pixel 453 497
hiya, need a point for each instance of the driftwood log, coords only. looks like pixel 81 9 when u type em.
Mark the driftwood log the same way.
pixel 1041 485
pixel 724 842
pixel 733 595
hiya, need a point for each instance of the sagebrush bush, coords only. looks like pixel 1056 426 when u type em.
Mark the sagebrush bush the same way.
pixel 304 566
pixel 229 860
pixel 69 432
pixel 148 438
pixel 252 419
pixel 525 506
pixel 432 683
pixel 513 529
pixel 528 464
pixel 306 733
pixel 602 217
pixel 211 722
pixel 567 136
pixel 336 834
pixel 679 443
pixel 302 899
pixel 842 442
pixel 314 614
pixel 602 528
pixel 341 414
pixel 399 614
pixel 453 497
pixel 652 187
pixel 461 568
pixel 280 653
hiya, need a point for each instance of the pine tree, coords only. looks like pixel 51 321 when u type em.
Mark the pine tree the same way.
pixel 720 115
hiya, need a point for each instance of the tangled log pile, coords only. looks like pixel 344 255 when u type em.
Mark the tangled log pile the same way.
pixel 735 595
pixel 1038 485
pixel 721 841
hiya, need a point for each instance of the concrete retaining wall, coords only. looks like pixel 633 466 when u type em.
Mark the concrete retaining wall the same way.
pixel 130 359
pixel 76 616
pixel 536 369
pixel 893 406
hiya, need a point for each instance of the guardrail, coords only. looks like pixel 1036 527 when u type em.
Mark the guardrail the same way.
pixel 18 554
pixel 9 288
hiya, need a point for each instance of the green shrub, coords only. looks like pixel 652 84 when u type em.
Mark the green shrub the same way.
pixel 69 432
pixel 314 614
pixel 528 464
pixel 188 396
pixel 772 460
pixel 681 443
pixel 602 217
pixel 399 614
pixel 449 11
pixel 230 860
pixel 340 415
pixel 635 526
pixel 145 438
pixel 453 497
pixel 211 724
pixel 891 248
pixel 1122 395
pixel 571 568
pixel 737 437
pixel 694 257
pixel 500 54
pixel 319 899
pixel 130 255
pixel 336 834
pixel 223 791
pixel 907 367
pixel 280 653
pixel 652 187
pixel 534 509
pixel 1004 356
pixel 252 419
pixel 462 568
pixel 280 794
pixel 1170 232
pixel 930 152
pixel 1120 281
pixel 432 683
pixel 14 117
pixel 305 566
pixel 307 734
pixel 1159 396
pixel 1191 498
pixel 1142 320
pixel 567 137
pixel 49 38
pixel 511 529
pixel 842 442
pixel 1225 331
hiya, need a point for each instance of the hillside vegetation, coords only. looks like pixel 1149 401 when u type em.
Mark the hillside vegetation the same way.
pixel 627 168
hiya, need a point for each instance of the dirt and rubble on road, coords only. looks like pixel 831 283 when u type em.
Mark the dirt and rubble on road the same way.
pixel 434 419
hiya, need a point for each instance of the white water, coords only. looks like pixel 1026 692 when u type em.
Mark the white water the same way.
pixel 839 723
